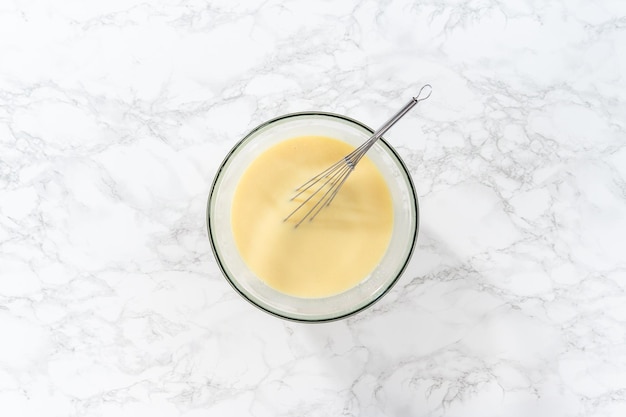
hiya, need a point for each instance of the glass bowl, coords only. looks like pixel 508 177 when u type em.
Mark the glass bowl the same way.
pixel 372 287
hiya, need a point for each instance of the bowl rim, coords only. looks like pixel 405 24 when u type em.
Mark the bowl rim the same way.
pixel 220 261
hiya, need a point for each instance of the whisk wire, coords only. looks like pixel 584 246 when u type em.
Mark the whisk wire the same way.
pixel 310 183
pixel 333 176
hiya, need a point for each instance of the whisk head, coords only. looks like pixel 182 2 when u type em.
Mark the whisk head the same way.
pixel 325 185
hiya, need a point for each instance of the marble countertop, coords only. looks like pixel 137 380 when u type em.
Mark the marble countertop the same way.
pixel 114 117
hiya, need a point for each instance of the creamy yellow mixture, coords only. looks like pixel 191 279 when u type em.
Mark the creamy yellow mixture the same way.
pixel 328 255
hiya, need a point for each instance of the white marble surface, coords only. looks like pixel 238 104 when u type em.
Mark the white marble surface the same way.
pixel 114 116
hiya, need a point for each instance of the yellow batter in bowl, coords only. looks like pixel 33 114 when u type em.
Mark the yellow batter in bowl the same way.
pixel 323 257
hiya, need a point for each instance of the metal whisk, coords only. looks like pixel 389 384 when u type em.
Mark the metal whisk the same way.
pixel 333 177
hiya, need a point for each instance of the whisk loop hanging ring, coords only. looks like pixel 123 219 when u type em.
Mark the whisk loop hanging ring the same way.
pixel 327 183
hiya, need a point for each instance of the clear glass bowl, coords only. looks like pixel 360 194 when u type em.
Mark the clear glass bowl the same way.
pixel 371 288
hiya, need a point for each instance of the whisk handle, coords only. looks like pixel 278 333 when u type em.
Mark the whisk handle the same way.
pixel 404 110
